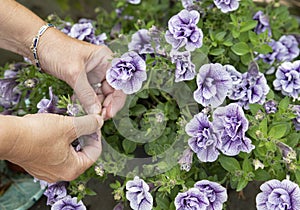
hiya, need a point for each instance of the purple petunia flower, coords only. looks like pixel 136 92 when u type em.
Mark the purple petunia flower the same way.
pixel 55 192
pixel 263 23
pixel 231 123
pixel 278 195
pixel 213 82
pixel 215 193
pixel 252 89
pixel 270 107
pixel 74 109
pixel 183 30
pixel 68 203
pixel 296 120
pixel 204 141
pixel 186 160
pixel 138 194
pixel 81 30
pixel 141 42
pixel 227 5
pixel 292 49
pixel 277 51
pixel 127 73
pixel 185 69
pixel 191 199
pixel 10 95
pixel 134 1
pixel 49 105
pixel 187 3
pixel 288 79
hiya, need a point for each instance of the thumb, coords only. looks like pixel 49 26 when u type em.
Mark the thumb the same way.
pixel 86 94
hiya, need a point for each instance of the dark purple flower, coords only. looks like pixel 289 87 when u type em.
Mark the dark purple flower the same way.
pixel 97 40
pixel 49 105
pixel 193 199
pixel 277 195
pixel 9 93
pixel 292 49
pixel 213 82
pixel 55 192
pixel 288 79
pixel 270 107
pixel 186 160
pixel 252 89
pixel 141 42
pixel 204 141
pixel 263 23
pixel 215 193
pixel 138 194
pixel 227 5
pixel 235 92
pixel 81 30
pixel 230 122
pixel 127 73
pixel 185 69
pixel 183 30
pixel 74 109
pixel 68 203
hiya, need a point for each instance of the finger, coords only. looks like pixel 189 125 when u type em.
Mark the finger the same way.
pixel 92 149
pixel 86 94
pixel 86 125
pixel 114 103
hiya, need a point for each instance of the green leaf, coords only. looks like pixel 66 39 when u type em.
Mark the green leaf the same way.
pixel 246 59
pixel 240 48
pixel 229 164
pixel 247 166
pixel 90 192
pixel 138 110
pixel 220 36
pixel 261 175
pixel 278 131
pixel 263 49
pixel 284 103
pixel 254 108
pixel 246 26
pixel 128 146
pixel 228 43
pixel 293 139
pixel 217 51
pixel 162 202
pixel 263 126
pixel 241 184
pixel 254 39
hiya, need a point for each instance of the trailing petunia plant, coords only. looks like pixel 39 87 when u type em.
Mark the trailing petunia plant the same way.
pixel 212 104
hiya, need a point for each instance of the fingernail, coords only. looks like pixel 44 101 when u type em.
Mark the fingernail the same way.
pixel 94 109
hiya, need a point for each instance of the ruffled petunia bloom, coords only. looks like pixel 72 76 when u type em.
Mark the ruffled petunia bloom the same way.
pixel 227 5
pixel 127 73
pixel 278 52
pixel 216 194
pixel 230 122
pixel 292 49
pixel 278 195
pixel 191 199
pixel 213 82
pixel 288 79
pixel 10 95
pixel 55 192
pixel 252 89
pixel 270 107
pixel 183 30
pixel 142 41
pixel 81 30
pixel 185 69
pixel 68 203
pixel 49 105
pixel 204 141
pixel 262 23
pixel 138 194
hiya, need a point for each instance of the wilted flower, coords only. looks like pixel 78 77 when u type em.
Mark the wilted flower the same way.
pixel 191 199
pixel 213 82
pixel 9 92
pixel 292 49
pixel 73 109
pixel 215 193
pixel 134 1
pixel 49 105
pixel 138 194
pixel 186 160
pixel 296 120
pixel 288 79
pixel 183 30
pixel 252 89
pixel 270 107
pixel 141 42
pixel 204 141
pixel 278 195
pixel 288 153
pixel 127 73
pixel 231 123
pixel 185 69
pixel 227 5
pixel 55 192
pixel 263 23
pixel 257 164
pixel 99 169
pixel 68 203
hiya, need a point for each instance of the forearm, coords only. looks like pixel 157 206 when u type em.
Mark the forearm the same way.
pixel 18 26
pixel 9 133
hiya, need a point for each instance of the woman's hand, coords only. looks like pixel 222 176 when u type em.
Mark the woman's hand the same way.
pixel 42 145
pixel 83 66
